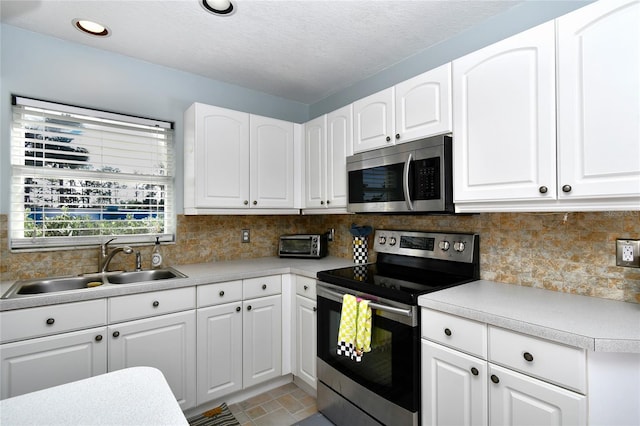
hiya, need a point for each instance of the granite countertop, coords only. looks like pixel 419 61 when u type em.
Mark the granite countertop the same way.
pixel 585 322
pixel 133 396
pixel 201 273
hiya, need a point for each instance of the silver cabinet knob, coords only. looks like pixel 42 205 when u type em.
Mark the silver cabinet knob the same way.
pixel 388 138
pixel 255 203
pixel 543 189
pixel 246 202
pixel 566 188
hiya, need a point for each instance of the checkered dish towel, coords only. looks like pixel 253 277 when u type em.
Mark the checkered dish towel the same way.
pixel 354 335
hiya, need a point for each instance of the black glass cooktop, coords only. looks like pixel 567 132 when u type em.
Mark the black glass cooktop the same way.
pixel 399 283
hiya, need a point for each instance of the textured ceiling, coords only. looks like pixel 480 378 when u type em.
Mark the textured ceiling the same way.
pixel 302 50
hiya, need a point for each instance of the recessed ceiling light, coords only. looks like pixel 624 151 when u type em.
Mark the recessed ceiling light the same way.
pixel 90 27
pixel 219 7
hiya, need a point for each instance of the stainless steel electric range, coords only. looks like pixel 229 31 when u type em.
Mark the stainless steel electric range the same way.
pixel 384 388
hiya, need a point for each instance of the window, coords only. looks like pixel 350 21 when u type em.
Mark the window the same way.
pixel 81 175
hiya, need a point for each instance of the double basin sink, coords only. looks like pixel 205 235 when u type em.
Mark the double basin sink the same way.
pixel 33 287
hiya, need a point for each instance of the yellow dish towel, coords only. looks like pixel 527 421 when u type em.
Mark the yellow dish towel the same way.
pixel 363 329
pixel 354 334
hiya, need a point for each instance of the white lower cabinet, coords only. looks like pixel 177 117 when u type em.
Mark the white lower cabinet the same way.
pixel 239 342
pixel 261 339
pixel 166 342
pixel 306 319
pixel 463 389
pixel 517 399
pixel 51 345
pixel 454 390
pixel 219 350
pixel 35 364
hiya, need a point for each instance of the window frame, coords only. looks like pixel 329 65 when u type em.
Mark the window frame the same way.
pixel 31 155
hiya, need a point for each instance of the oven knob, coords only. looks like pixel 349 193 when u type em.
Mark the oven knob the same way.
pixel 392 241
pixel 459 246
pixel 444 245
pixel 382 239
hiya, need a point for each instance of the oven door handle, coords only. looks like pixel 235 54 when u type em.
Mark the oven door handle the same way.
pixel 373 305
pixel 405 182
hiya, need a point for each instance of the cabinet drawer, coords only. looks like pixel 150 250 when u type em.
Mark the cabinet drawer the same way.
pixel 219 293
pixel 45 320
pixel 306 287
pixel 456 332
pixel 262 286
pixel 143 305
pixel 550 361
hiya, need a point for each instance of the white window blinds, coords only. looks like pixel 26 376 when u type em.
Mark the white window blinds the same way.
pixel 79 175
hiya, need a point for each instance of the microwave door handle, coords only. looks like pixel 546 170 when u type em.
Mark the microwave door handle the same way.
pixel 405 182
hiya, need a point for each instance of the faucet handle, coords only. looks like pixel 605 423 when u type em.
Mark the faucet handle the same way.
pixel 138 261
pixel 107 243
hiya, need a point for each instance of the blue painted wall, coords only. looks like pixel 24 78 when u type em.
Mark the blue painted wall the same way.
pixel 48 68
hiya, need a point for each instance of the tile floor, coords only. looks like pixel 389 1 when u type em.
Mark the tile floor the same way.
pixel 282 406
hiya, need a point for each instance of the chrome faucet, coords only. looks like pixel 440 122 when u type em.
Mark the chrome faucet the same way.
pixel 106 256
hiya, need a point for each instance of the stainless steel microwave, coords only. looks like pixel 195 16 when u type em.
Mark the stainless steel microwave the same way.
pixel 413 177
pixel 303 245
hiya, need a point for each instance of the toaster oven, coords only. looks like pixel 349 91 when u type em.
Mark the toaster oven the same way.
pixel 303 245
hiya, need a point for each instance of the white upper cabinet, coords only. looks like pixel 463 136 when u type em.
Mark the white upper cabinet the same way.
pixel 315 141
pixel 216 158
pixel 235 161
pixel 414 109
pixel 599 101
pixel 531 135
pixel 271 164
pixel 373 121
pixel 423 105
pixel 327 144
pixel 504 119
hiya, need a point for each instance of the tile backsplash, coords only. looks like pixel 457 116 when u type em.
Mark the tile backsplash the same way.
pixel 572 252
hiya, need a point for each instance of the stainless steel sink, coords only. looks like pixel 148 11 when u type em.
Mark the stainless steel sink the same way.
pixel 141 276
pixel 51 285
pixel 25 288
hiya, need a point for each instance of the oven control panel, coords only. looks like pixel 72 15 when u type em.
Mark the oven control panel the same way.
pixel 444 246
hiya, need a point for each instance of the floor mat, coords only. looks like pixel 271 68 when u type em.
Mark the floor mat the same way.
pixel 219 416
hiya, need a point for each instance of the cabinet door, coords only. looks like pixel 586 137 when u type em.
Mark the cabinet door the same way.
pixel 454 387
pixel 262 339
pixel 599 100
pixel 373 118
pixel 271 162
pixel 221 156
pixel 315 158
pixel 306 317
pixel 219 351
pixel 36 364
pixel 339 147
pixel 423 105
pixel 504 119
pixel 167 342
pixel 517 399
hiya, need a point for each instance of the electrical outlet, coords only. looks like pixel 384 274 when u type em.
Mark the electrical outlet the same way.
pixel 628 253
pixel 245 236
pixel 331 232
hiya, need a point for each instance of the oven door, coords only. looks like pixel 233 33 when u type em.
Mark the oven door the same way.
pixel 391 370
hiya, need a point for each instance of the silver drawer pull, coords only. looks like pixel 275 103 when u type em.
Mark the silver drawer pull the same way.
pixel 527 356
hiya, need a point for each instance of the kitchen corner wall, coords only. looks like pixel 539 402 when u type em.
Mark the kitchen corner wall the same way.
pixel 573 253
